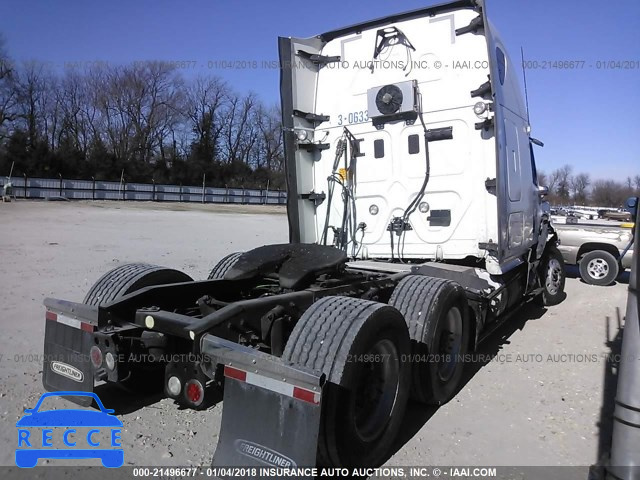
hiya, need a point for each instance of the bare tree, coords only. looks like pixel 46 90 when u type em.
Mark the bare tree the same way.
pixel 239 129
pixel 554 178
pixel 579 185
pixel 206 101
pixel 32 98
pixel 270 147
pixel 151 91
pixel 563 178
pixel 608 193
pixel 8 97
pixel 77 111
pixel 141 117
pixel 111 101
pixel 6 65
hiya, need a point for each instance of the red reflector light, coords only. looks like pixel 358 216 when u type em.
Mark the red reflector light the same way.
pixel 306 395
pixel 51 316
pixel 96 356
pixel 235 373
pixel 194 391
pixel 87 327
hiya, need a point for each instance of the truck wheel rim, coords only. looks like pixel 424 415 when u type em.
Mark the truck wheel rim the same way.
pixel 450 344
pixel 554 276
pixel 376 392
pixel 597 268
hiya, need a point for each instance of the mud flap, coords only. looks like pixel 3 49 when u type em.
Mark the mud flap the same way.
pixel 263 428
pixel 68 338
pixel 271 411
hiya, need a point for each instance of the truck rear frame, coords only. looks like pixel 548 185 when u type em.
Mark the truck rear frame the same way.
pixel 319 343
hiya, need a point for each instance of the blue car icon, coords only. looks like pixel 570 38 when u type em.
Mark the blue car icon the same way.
pixel 36 444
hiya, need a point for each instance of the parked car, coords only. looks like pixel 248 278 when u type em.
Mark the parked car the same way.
pixel 620 216
pixel 572 218
pixel 598 250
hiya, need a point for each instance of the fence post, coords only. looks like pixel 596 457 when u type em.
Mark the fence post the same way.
pixel 60 188
pixel 153 195
pixel 203 186
pixel 25 184
pixel 244 194
pixel 93 188
pixel 180 197
pixel 124 190
pixel 226 194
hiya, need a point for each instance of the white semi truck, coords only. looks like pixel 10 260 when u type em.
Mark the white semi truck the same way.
pixel 416 228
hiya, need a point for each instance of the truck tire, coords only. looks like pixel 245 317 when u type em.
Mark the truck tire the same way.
pixel 119 282
pixel 223 266
pixel 436 312
pixel 552 277
pixel 128 278
pixel 361 347
pixel 599 267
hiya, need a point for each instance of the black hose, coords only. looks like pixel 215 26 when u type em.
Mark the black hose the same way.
pixel 416 201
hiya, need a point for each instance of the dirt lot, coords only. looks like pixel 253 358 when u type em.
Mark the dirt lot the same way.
pixel 539 401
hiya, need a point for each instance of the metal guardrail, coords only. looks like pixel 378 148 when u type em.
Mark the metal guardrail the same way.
pixel 41 188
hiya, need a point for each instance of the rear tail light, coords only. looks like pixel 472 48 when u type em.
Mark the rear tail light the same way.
pixel 194 392
pixel 174 386
pixel 96 356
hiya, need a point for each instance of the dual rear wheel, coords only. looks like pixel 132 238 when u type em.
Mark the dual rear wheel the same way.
pixel 436 314
pixel 360 346
pixel 376 356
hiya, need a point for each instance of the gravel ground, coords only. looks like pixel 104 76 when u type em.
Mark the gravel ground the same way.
pixel 539 401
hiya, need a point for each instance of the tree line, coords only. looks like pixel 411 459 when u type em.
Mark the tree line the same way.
pixel 143 119
pixel 565 188
pixel 147 122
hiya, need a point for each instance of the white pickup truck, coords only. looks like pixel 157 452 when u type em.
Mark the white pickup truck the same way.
pixel 600 251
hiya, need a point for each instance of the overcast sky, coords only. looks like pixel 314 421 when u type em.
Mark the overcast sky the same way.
pixel 587 117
